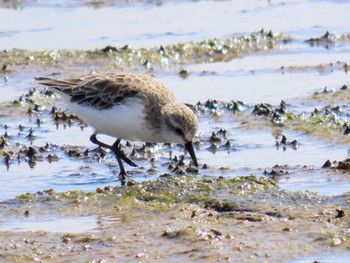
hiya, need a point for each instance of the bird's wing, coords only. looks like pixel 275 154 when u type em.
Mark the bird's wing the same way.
pixel 101 92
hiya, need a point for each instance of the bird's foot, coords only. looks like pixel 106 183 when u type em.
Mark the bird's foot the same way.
pixel 126 159
pixel 119 153
pixel 122 178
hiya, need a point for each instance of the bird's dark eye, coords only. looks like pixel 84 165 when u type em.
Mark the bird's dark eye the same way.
pixel 179 131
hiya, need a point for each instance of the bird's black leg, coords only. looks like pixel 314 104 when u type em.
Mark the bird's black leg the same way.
pixel 115 149
pixel 118 153
pixel 122 174
pixel 94 140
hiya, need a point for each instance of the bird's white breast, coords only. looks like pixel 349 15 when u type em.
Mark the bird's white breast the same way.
pixel 125 120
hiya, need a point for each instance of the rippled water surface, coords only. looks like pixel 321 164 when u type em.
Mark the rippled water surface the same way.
pixel 142 25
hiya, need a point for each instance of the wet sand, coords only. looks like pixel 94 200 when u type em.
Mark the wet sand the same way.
pixel 273 141
pixel 244 219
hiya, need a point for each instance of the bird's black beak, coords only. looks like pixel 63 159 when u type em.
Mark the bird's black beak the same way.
pixel 189 148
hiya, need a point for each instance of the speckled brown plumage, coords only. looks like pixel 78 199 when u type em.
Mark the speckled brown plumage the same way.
pixel 104 91
pixel 128 106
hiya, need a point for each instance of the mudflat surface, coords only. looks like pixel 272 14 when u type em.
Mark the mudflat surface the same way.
pixel 191 219
pixel 272 100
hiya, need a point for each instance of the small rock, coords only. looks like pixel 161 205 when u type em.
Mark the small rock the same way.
pixel 344 87
pixel 109 49
pixel 194 214
pixel 131 182
pixel 99 190
pixel 327 164
pixel 214 138
pixel 340 213
pixel 345 165
pixel 184 73
pixel 347 130
pixel 31 152
pixel 192 170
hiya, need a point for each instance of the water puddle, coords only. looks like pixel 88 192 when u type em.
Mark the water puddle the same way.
pixel 271 77
pixel 289 57
pixel 271 87
pixel 14 87
pixel 316 180
pixel 62 176
pixel 50 224
pixel 333 258
pixel 297 168
pixel 257 149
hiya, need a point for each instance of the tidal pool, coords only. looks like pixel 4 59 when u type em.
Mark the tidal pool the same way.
pixel 49 224
pixel 338 258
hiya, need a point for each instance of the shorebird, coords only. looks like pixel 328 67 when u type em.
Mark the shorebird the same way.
pixel 129 106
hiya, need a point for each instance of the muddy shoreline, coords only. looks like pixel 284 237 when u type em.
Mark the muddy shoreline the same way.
pixel 70 205
pixel 188 218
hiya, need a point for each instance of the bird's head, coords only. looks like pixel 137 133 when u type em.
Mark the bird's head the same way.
pixel 180 126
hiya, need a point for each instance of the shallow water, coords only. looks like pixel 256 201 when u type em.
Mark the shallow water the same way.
pixel 338 258
pixel 52 224
pixel 254 78
pixel 252 152
pixel 267 86
pixel 143 25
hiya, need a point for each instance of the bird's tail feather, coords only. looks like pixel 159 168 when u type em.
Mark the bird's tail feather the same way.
pixel 56 83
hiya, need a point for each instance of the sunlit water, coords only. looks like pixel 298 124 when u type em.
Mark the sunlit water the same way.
pixel 327 258
pixel 151 25
pixel 47 223
pixel 253 151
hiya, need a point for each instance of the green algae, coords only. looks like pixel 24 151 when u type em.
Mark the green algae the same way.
pixel 328 39
pixel 109 59
pixel 117 59
pixel 329 121
pixel 183 217
pixel 165 191
pixel 190 189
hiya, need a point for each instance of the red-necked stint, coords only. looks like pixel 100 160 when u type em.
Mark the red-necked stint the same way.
pixel 128 106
